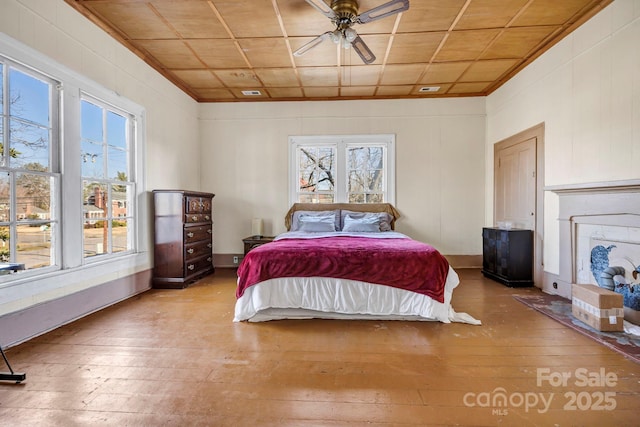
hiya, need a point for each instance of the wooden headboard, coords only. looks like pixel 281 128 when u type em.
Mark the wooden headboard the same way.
pixel 357 207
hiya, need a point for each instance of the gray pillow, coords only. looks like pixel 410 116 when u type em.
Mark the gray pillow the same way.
pixel 317 223
pixel 365 224
pixel 384 219
pixel 295 219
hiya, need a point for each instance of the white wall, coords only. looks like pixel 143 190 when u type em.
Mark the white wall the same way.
pixel 56 30
pixel 586 90
pixel 439 163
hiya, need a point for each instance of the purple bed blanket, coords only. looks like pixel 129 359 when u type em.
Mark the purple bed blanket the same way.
pixel 402 263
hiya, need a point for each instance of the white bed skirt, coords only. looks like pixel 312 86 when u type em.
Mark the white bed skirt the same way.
pixel 327 298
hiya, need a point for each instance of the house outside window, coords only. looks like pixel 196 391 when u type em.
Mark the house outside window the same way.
pixel 29 166
pixel 342 169
pixel 107 186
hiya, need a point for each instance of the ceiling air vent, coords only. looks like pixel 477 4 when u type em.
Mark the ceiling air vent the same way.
pixel 251 93
pixel 429 89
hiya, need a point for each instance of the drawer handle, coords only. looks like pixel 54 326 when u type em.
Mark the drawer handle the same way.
pixel 207 217
pixel 191 267
pixel 209 245
pixel 190 250
pixel 209 231
pixel 209 259
pixel 190 234
pixel 195 217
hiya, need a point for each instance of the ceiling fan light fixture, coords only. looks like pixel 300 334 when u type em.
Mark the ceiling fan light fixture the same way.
pixel 336 36
pixel 343 14
pixel 350 34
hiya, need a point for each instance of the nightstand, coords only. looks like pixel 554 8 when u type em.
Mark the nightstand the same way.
pixel 507 256
pixel 255 241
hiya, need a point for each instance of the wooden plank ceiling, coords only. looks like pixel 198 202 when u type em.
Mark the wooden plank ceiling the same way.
pixel 216 49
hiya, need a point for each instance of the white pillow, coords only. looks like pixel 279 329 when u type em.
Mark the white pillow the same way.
pixel 317 223
pixel 295 218
pixel 366 224
pixel 384 219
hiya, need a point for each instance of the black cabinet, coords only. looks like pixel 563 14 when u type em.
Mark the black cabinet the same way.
pixel 255 241
pixel 507 256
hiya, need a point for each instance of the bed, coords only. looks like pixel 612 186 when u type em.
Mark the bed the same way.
pixel 345 261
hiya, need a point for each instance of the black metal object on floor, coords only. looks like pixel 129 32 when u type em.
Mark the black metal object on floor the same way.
pixel 18 377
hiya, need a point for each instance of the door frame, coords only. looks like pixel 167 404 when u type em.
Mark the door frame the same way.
pixel 536 132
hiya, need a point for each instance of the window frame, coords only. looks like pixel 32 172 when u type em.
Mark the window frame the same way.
pixel 53 173
pixel 69 208
pixel 342 143
pixel 110 182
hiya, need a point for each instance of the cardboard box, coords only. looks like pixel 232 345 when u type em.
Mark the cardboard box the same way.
pixel 598 307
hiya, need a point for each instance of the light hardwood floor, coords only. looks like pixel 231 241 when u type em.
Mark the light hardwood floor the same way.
pixel 175 358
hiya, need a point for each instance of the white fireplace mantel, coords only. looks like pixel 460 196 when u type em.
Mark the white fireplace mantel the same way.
pixel 604 203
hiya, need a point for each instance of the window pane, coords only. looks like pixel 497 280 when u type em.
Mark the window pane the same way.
pixel 365 174
pixel 34 245
pixel 2 159
pixel 95 200
pixel 92 160
pixel 307 180
pixel 120 200
pixel 5 197
pixel 117 164
pixel 2 162
pixel 316 172
pixel 33 196
pixel 95 237
pixel 116 130
pixel 5 247
pixel 29 146
pixel 356 182
pixel 374 181
pixel 29 98
pixel 356 198
pixel 91 122
pixel 325 182
pixel 121 235
pixel 306 198
pixel 325 198
pixel 1 90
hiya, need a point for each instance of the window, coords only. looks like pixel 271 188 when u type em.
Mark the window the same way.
pixel 29 178
pixel 353 169
pixel 71 195
pixel 107 189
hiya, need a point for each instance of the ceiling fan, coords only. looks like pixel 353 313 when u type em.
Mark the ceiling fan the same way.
pixel 344 14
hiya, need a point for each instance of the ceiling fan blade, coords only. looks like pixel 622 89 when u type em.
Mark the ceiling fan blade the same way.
pixel 313 43
pixel 323 8
pixel 382 11
pixel 363 50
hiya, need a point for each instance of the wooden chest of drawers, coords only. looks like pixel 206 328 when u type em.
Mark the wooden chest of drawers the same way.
pixel 183 239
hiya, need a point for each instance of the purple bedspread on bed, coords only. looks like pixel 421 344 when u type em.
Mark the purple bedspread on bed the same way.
pixel 401 263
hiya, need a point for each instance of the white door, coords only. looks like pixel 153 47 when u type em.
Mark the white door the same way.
pixel 515 184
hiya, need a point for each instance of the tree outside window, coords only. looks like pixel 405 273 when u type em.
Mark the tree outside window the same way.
pixel 353 169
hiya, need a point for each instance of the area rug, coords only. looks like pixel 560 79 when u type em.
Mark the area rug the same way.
pixel 559 309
